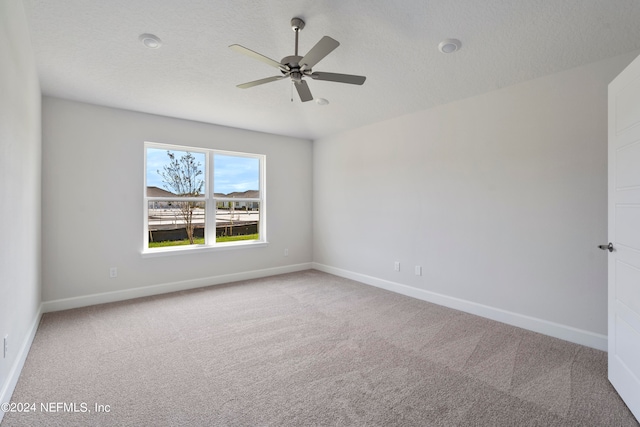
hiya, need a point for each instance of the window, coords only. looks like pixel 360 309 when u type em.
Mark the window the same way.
pixel 197 198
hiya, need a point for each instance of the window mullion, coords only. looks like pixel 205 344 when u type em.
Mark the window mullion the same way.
pixel 210 222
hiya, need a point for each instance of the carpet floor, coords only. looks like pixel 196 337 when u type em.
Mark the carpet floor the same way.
pixel 304 349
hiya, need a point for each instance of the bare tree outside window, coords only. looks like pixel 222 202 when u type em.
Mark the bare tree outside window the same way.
pixel 183 177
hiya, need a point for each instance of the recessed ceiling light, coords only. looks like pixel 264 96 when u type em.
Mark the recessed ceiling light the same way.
pixel 322 101
pixel 150 41
pixel 449 45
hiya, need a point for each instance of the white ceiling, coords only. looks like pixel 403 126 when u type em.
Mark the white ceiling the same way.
pixel 88 50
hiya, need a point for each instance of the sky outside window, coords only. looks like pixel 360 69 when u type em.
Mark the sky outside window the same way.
pixel 157 158
pixel 235 173
pixel 231 173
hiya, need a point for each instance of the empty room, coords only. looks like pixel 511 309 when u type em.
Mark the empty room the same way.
pixel 301 213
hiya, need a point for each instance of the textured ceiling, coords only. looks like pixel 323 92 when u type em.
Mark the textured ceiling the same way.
pixel 88 50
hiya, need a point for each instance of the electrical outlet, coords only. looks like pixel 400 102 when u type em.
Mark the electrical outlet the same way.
pixel 286 252
pixel 113 272
pixel 418 270
pixel 396 266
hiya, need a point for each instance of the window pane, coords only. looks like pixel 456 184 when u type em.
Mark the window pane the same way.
pixel 176 223
pixel 237 221
pixel 175 173
pixel 236 176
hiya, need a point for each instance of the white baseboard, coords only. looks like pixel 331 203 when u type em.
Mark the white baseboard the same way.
pixel 145 291
pixel 6 389
pixel 556 330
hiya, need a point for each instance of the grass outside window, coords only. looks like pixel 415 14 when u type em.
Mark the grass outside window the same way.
pixel 200 241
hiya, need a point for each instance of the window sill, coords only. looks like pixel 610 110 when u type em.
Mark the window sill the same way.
pixel 184 250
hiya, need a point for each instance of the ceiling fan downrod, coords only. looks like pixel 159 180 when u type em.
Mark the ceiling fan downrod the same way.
pixel 297 24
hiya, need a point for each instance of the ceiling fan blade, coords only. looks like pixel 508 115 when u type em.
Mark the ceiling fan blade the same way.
pixel 340 78
pixel 324 47
pixel 303 91
pixel 261 81
pixel 259 57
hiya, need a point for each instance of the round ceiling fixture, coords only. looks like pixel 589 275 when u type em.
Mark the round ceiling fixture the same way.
pixel 322 101
pixel 449 46
pixel 150 41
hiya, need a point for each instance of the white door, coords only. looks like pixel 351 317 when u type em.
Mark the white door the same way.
pixel 624 234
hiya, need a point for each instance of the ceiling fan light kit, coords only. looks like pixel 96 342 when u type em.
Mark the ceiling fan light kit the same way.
pixel 298 67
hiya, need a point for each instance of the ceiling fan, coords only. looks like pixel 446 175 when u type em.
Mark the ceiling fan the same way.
pixel 298 67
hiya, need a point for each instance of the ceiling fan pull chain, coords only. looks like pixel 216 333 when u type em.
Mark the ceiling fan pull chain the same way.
pixel 292 90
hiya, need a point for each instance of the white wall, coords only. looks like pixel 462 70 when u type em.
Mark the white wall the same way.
pixel 501 198
pixel 19 192
pixel 92 205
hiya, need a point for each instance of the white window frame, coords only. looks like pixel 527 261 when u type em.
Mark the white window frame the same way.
pixel 210 202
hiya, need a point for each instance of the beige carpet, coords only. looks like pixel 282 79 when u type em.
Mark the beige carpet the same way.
pixel 305 349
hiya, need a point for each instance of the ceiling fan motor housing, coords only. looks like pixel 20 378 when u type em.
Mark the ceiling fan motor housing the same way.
pixel 293 62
